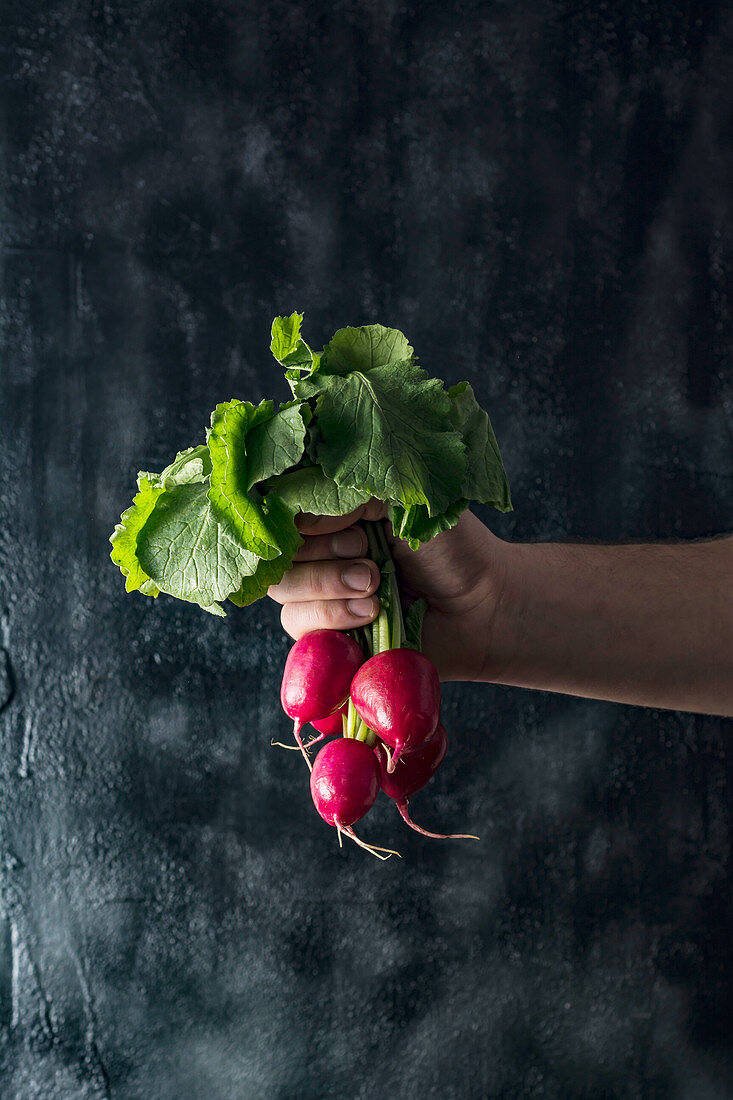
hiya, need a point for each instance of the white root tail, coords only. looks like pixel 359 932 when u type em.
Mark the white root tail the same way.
pixel 373 848
pixel 402 807
pixel 315 740
pixel 297 748
pixel 393 758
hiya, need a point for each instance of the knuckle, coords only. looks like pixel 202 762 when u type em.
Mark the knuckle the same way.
pixel 322 614
pixel 335 613
pixel 374 509
pixel 286 621
pixel 318 615
pixel 363 540
pixel 316 581
pixel 304 551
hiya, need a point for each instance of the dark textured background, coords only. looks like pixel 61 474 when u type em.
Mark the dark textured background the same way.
pixel 539 194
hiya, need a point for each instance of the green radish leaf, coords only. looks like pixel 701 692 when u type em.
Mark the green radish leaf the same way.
pixel 415 525
pixel 386 431
pixel 189 466
pixel 290 349
pixel 309 489
pixel 125 536
pixel 286 343
pixel 364 348
pixel 276 444
pixel 266 573
pixel 187 553
pixel 485 479
pixel 255 582
pixel 250 443
pixel 414 617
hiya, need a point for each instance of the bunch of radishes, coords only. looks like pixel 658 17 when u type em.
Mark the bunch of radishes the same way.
pixel 384 710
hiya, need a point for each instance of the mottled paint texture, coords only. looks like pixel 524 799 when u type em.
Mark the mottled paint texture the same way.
pixel 539 194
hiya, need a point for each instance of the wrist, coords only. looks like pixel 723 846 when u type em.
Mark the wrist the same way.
pixel 467 636
pixel 502 612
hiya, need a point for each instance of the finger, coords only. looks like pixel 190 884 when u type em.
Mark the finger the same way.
pixel 300 618
pixel 351 543
pixel 328 580
pixel 309 524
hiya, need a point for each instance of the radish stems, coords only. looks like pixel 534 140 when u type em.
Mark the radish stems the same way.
pixel 363 733
pixel 382 625
pixel 375 549
pixel 397 624
pixel 388 630
pixel 365 640
pixel 383 544
pixel 397 621
pixel 351 718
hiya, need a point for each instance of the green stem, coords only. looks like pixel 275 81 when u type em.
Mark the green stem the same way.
pixel 375 550
pixel 352 718
pixel 366 735
pixel 382 631
pixel 388 629
pixel 398 622
pixel 384 545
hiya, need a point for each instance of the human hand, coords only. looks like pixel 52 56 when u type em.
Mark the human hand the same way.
pixel 459 573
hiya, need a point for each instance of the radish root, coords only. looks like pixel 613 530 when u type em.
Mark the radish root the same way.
pixel 402 807
pixel 306 744
pixel 373 848
pixel 392 758
pixel 297 726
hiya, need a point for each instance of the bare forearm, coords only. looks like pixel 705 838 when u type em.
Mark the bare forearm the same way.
pixel 648 624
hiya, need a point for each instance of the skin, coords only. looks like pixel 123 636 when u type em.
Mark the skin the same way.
pixel 648 624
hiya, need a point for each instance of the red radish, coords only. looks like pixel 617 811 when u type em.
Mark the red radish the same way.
pixel 412 772
pixel 317 676
pixel 345 784
pixel 344 781
pixel 415 769
pixel 397 693
pixel 332 726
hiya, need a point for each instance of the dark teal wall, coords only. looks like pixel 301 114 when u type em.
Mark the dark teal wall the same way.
pixel 539 194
